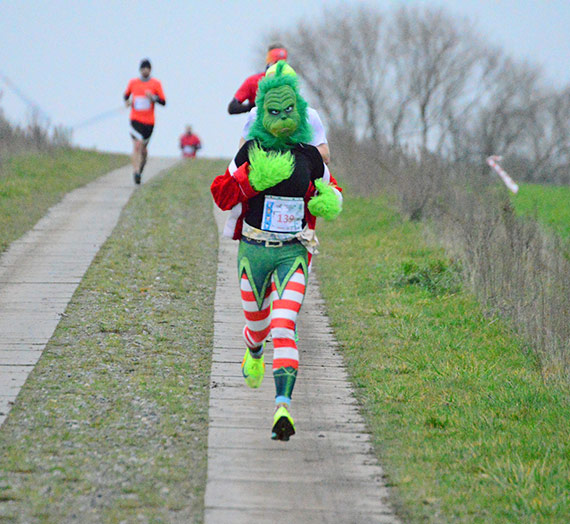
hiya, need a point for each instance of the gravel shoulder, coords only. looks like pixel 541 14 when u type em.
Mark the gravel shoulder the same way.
pixel 111 425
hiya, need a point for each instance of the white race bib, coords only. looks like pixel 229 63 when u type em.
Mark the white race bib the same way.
pixel 141 103
pixel 188 149
pixel 283 214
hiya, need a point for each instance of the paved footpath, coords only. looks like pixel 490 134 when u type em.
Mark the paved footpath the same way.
pixel 40 272
pixel 326 472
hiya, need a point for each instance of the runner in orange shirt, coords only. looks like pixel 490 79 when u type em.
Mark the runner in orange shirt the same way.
pixel 141 95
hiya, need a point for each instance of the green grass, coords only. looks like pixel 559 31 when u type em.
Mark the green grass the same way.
pixel 111 425
pixel 463 423
pixel 31 183
pixel 549 204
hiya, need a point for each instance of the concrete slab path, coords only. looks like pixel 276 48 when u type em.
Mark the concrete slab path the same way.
pixel 40 272
pixel 326 472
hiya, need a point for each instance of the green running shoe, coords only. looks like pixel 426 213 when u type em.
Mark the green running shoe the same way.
pixel 283 425
pixel 253 369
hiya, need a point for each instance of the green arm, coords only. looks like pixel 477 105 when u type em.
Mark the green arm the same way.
pixel 326 203
pixel 268 168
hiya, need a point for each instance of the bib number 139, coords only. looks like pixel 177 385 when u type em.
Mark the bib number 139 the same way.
pixel 283 214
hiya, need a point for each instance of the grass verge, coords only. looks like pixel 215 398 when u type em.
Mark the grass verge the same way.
pixel 550 205
pixel 111 425
pixel 462 421
pixel 31 183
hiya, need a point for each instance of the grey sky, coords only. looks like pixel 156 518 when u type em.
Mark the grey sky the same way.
pixel 74 58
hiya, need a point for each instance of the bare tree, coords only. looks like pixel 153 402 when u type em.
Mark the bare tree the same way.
pixel 559 150
pixel 548 139
pixel 433 57
pixel 421 80
pixel 371 72
pixel 341 63
pixel 324 60
pixel 504 113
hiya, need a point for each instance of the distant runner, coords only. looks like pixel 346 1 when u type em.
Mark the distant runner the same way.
pixel 141 95
pixel 189 143
pixel 244 99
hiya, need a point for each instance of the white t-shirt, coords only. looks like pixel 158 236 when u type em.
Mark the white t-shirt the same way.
pixel 319 135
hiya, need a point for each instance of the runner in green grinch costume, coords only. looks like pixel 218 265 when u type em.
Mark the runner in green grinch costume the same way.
pixel 275 188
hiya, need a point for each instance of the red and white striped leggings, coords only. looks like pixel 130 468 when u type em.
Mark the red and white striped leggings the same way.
pixel 280 319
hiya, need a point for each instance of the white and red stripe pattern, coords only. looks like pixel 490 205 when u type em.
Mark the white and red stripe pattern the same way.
pixel 284 319
pixel 493 161
pixel 257 320
pixel 280 321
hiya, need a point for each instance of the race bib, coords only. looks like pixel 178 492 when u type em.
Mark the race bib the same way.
pixel 188 149
pixel 141 103
pixel 283 214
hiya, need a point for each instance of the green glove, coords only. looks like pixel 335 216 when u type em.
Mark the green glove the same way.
pixel 326 203
pixel 268 168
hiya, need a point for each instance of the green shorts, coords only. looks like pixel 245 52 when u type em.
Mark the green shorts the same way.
pixel 260 263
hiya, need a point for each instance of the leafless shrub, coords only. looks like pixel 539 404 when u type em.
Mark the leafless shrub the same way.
pixel 420 192
pixel 516 269
pixel 37 131
pixel 37 135
pixel 366 166
pixel 61 137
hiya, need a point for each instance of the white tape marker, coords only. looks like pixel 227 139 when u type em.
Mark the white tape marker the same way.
pixel 493 161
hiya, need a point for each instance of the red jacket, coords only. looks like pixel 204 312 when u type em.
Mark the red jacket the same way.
pixel 232 190
pixel 248 90
pixel 189 143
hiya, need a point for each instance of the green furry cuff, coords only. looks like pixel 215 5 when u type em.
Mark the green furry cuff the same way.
pixel 268 168
pixel 326 204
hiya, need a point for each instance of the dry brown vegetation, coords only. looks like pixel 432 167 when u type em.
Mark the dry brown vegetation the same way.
pixel 37 135
pixel 514 266
pixel 415 101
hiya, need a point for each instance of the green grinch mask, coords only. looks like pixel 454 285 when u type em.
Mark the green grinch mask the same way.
pixel 281 120
pixel 280 115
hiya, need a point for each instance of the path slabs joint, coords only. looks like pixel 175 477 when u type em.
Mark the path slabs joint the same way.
pixel 326 472
pixel 40 272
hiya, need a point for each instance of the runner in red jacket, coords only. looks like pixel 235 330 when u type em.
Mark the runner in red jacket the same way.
pixel 141 95
pixel 189 143
pixel 244 99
